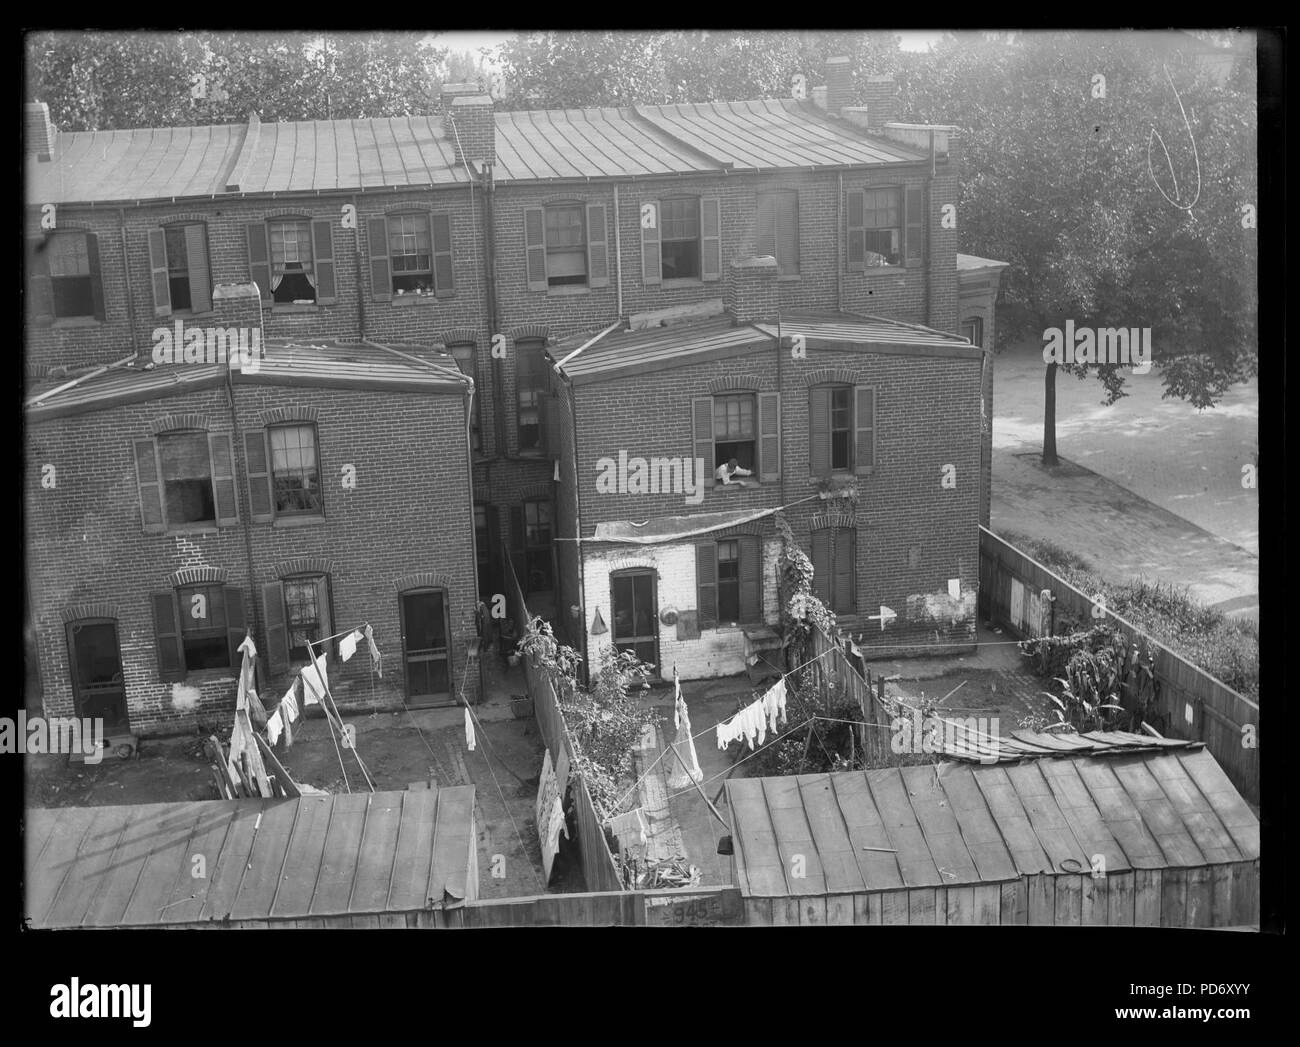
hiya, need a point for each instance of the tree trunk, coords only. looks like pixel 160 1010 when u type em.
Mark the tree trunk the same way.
pixel 1049 416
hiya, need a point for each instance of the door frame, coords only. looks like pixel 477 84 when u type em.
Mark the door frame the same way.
pixel 78 698
pixel 635 572
pixel 427 701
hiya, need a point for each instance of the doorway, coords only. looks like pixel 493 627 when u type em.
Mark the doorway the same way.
pixel 425 649
pixel 635 610
pixel 95 660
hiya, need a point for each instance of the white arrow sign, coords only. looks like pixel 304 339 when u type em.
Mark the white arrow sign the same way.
pixel 884 616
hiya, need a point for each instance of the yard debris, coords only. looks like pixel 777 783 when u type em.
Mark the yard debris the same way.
pixel 666 872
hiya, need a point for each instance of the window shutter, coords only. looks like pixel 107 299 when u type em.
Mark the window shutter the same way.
pixel 597 247
pixel 864 420
pixel 259 257
pixel 96 277
pixel 148 477
pixel 381 273
pixel 787 234
pixel 821 561
pixel 914 234
pixel 277 628
pixel 326 619
pixel 535 247
pixel 444 279
pixel 710 238
pixel 261 507
pixel 235 627
pixel 38 282
pixel 702 430
pixel 223 479
pixel 819 430
pixel 322 249
pixel 751 578
pixel 652 263
pixel 162 292
pixel 845 571
pixel 765 226
pixel 769 436
pixel 706 583
pixel 196 260
pixel 855 213
pixel 167 637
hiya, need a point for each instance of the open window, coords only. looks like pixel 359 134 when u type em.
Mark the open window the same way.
pixel 197 627
pixel 292 260
pixel 565 245
pixel 186 480
pixel 297 610
pixel 284 480
pixel 841 429
pixel 178 260
pixel 729 581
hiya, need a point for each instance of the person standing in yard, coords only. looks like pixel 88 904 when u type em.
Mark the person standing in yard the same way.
pixel 727 470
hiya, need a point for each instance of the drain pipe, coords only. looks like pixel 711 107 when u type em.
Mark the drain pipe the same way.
pixel 618 255
pixel 361 282
pixel 494 319
pixel 245 519
pixel 126 272
pixel 839 249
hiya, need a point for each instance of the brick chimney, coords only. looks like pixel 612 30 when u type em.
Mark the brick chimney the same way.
pixel 240 306
pixel 448 93
pixel 38 132
pixel 839 84
pixel 881 97
pixel 752 294
pixel 472 129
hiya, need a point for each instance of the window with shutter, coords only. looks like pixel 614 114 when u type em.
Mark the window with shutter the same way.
pixel 167 637
pixel 566 245
pixel 187 487
pixel 710 238
pixel 823 581
pixel 306 615
pixel 205 642
pixel 197 267
pixel 735 430
pixel 259 257
pixel 769 436
pixel 751 579
pixel 295 470
pixel 915 225
pixel 258 462
pixel 834 559
pixel 223 479
pixel 72 259
pixel 776 229
pixel 679 236
pixel 864 449
pixel 651 262
pixel 294 277
pixel 855 254
pixel 706 583
pixel 322 244
pixel 160 274
pixel 444 272
pixel 381 270
pixel 597 246
pixel 148 477
pixel 178 256
pixel 277 635
pixel 535 247
pixel 883 223
pixel 702 435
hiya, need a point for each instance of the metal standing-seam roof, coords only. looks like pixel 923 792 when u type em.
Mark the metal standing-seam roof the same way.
pixel 317 856
pixel 327 365
pixel 953 824
pixel 773 132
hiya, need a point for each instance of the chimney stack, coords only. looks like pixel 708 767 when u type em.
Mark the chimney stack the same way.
pixel 881 98
pixel 472 129
pixel 38 131
pixel 752 293
pixel 839 84
pixel 448 93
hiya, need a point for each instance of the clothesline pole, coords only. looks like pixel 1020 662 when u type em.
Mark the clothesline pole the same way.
pixel 329 698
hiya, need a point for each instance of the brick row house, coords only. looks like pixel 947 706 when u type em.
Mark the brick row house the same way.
pixel 493 240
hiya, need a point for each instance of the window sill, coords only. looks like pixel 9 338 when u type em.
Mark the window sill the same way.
pixel 196 529
pixel 195 677
pixel 278 308
pixel 568 289
pixel 297 521
pixel 686 281
pixel 793 278
pixel 880 270
pixel 419 299
pixel 64 322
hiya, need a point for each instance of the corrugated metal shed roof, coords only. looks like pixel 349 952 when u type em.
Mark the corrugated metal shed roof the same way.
pixel 317 856
pixel 327 365
pixel 953 824
pixel 589 143
pixel 773 132
pixel 320 155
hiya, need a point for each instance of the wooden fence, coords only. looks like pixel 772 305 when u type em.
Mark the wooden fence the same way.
pixel 1191 703
pixel 598 868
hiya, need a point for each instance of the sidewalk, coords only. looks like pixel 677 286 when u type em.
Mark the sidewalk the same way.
pixel 1123 535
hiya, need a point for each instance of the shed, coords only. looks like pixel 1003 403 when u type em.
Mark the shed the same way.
pixel 1147 839
pixel 387 859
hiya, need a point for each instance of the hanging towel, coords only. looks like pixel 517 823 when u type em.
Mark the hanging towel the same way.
pixel 314 682
pixel 348 645
pixel 729 731
pixel 274 726
pixel 248 647
pixel 288 707
pixel 375 656
pixel 628 824
pixel 470 739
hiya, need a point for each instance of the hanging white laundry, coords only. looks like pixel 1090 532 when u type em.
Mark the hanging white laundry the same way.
pixel 729 731
pixel 274 726
pixel 375 656
pixel 248 647
pixel 778 689
pixel 632 823
pixel 348 645
pixel 470 739
pixel 288 707
pixel 314 682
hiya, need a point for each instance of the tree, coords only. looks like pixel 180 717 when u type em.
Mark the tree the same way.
pixel 1057 182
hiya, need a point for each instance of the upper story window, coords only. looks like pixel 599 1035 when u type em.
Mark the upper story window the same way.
pixel 197 627
pixel 565 245
pixel 776 229
pixel 284 473
pixel 743 426
pixel 973 329
pixel 178 260
pixel 186 479
pixel 841 429
pixel 64 277
pixel 295 475
pixel 886 227
pixel 292 260
pixel 410 256
pixel 466 359
pixel 532 383
pixel 681 239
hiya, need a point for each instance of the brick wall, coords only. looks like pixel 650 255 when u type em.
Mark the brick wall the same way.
pixel 913 534
pixel 409 513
